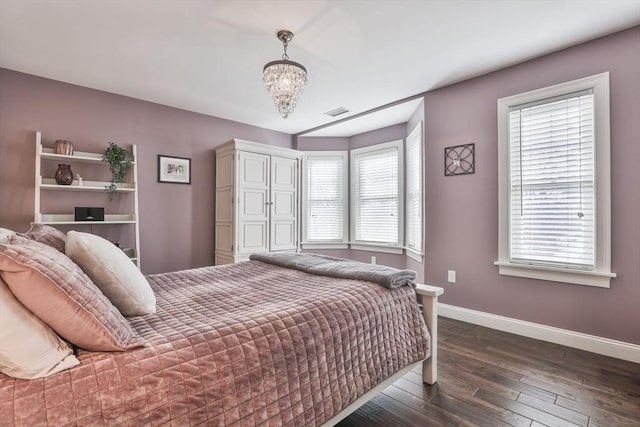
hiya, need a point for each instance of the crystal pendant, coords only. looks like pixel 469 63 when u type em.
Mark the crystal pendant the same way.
pixel 285 80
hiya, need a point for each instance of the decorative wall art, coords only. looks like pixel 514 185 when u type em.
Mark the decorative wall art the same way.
pixel 459 159
pixel 174 170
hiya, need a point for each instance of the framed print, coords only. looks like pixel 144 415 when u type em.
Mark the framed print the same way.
pixel 174 170
pixel 459 160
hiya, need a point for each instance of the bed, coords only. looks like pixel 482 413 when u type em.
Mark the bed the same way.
pixel 242 344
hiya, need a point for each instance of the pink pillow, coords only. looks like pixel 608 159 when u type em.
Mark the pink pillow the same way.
pixel 61 295
pixel 46 234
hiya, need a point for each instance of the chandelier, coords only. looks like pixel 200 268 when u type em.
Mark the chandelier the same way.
pixel 285 80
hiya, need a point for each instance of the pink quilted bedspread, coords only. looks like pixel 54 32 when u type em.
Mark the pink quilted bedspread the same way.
pixel 241 344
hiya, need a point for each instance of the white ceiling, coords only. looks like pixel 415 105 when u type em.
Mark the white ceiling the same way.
pixel 207 56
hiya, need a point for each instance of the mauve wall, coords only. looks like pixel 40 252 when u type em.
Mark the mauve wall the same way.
pixel 462 211
pixel 176 221
pixel 322 143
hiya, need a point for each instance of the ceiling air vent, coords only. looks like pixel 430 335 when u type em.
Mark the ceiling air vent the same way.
pixel 337 112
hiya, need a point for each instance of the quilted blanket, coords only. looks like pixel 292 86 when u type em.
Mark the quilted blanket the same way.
pixel 339 268
pixel 241 344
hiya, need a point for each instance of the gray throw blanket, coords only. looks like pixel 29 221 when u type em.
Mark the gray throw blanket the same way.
pixel 323 265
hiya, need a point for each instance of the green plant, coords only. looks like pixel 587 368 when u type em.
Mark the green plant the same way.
pixel 119 162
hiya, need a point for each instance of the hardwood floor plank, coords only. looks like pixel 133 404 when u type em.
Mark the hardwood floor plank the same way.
pixel 431 412
pixel 598 414
pixel 516 385
pixel 477 413
pixel 412 416
pixel 555 410
pixel 524 410
pixel 376 415
pixel 499 389
pixel 590 396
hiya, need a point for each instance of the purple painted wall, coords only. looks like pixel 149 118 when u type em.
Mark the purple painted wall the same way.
pixel 322 143
pixel 176 221
pixel 378 136
pixel 462 211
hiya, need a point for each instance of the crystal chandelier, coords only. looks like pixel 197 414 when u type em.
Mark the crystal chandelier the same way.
pixel 285 80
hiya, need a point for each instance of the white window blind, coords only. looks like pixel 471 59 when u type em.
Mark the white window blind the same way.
pixel 325 197
pixel 414 190
pixel 376 194
pixel 552 203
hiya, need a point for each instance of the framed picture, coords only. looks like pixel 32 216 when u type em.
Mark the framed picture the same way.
pixel 459 160
pixel 174 170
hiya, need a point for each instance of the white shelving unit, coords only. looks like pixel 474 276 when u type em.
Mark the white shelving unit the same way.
pixel 49 184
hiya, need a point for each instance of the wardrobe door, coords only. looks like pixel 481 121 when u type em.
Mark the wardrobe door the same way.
pixel 283 206
pixel 253 203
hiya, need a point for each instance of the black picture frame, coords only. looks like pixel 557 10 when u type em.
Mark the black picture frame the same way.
pixel 174 170
pixel 459 159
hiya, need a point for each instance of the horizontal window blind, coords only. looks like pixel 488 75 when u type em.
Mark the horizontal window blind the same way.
pixel 325 200
pixel 552 169
pixel 414 192
pixel 376 196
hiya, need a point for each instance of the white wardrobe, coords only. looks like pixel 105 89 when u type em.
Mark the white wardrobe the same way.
pixel 256 200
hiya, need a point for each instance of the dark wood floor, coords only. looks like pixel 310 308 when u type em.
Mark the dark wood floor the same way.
pixel 492 378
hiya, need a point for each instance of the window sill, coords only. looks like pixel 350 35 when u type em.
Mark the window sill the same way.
pixel 416 256
pixel 576 277
pixel 316 245
pixel 377 248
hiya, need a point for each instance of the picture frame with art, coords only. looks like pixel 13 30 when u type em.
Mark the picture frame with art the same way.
pixel 174 170
pixel 459 160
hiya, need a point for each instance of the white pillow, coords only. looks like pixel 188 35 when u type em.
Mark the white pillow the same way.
pixel 5 233
pixel 29 348
pixel 113 272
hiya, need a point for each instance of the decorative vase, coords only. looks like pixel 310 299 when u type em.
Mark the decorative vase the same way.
pixel 63 147
pixel 64 175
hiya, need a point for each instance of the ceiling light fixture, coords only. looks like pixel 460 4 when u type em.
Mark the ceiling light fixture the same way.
pixel 285 80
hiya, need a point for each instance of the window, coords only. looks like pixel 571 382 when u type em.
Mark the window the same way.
pixel 376 213
pixel 326 199
pixel 414 194
pixel 555 183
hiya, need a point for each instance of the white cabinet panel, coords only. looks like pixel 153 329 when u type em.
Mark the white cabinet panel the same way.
pixel 224 205
pixel 253 237
pixel 224 237
pixel 254 204
pixel 254 170
pixel 283 236
pixel 284 204
pixel 224 170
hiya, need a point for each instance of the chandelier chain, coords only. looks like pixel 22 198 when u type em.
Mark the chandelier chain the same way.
pixel 285 57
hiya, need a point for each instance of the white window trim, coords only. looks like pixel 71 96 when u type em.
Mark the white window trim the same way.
pixel 326 244
pixel 413 253
pixel 601 275
pixel 370 246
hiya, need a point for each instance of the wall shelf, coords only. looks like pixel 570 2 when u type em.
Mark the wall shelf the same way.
pixel 77 157
pixel 51 185
pixel 46 185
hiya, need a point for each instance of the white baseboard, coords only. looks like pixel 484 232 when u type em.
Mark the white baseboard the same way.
pixel 608 347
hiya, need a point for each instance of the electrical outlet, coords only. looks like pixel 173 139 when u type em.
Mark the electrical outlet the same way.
pixel 373 260
pixel 451 276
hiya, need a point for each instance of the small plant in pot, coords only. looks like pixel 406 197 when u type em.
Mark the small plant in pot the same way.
pixel 119 161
